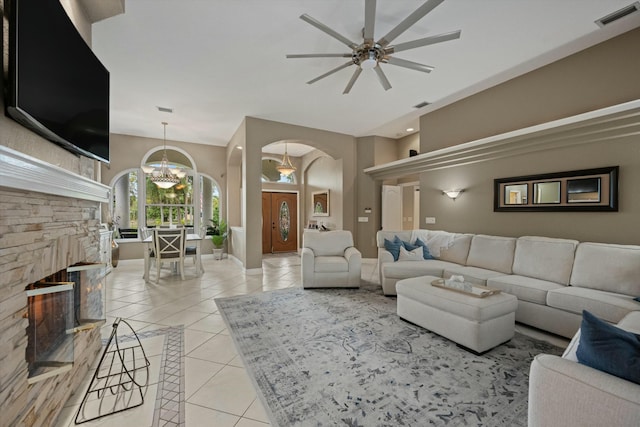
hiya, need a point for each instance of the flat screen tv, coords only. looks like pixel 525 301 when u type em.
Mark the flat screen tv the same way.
pixel 57 86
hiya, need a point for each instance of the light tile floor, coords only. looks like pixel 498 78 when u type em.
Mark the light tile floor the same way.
pixel 218 391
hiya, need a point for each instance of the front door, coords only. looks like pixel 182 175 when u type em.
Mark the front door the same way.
pixel 279 222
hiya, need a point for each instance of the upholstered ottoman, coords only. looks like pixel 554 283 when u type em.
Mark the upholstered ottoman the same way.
pixel 478 324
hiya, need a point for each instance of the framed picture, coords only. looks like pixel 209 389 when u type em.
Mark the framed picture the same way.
pixel 579 190
pixel 320 203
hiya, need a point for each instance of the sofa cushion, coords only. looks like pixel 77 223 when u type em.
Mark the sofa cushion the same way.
pixel 525 288
pixel 631 322
pixel 544 258
pixel 492 253
pixel 608 348
pixel 606 305
pixel 330 264
pixel 475 275
pixel 406 269
pixel 458 250
pixel 607 267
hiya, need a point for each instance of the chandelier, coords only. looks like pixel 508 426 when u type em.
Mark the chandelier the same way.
pixel 285 167
pixel 164 176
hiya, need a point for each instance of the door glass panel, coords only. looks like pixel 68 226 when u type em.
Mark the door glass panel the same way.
pixel 285 221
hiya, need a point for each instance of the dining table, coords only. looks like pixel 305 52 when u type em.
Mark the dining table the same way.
pixel 191 238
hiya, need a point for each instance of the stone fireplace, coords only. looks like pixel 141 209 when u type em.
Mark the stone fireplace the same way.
pixel 49 220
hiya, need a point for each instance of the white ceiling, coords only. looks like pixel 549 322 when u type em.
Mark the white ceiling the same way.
pixel 216 61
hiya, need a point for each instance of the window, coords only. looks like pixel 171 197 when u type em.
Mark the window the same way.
pixel 271 174
pixel 171 206
pixel 125 204
pixel 210 202
pixel 138 202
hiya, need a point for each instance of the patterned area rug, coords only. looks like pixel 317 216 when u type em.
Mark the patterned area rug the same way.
pixel 343 357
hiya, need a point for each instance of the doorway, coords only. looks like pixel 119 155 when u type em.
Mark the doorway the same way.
pixel 279 222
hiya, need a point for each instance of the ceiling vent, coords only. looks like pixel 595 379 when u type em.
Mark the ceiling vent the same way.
pixel 618 14
pixel 165 110
pixel 422 104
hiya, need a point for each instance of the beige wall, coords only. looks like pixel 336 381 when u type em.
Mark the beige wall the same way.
pixel 257 133
pixel 473 211
pixel 409 142
pixel 127 152
pixel 324 173
pixel 601 76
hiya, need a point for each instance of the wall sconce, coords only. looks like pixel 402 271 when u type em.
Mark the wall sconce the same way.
pixel 452 194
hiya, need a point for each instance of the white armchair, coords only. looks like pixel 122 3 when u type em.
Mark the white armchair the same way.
pixel 329 260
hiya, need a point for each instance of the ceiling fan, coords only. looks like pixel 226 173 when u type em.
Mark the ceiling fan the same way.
pixel 370 54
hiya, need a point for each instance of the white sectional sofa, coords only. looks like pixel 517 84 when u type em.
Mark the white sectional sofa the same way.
pixel 553 279
pixel 563 392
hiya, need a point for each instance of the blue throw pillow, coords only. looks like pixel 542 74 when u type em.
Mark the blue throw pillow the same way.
pixel 393 247
pixel 408 246
pixel 425 250
pixel 608 348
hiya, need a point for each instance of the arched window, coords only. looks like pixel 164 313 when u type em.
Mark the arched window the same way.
pixel 138 202
pixel 211 202
pixel 271 174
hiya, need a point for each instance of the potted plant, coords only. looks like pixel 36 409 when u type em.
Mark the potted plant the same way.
pixel 218 232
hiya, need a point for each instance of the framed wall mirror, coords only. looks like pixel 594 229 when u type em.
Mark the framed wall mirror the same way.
pixel 580 190
pixel 546 192
pixel 320 203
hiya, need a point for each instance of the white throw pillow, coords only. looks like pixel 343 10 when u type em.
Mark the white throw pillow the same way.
pixel 414 255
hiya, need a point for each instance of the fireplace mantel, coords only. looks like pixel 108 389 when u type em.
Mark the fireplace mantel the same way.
pixel 23 172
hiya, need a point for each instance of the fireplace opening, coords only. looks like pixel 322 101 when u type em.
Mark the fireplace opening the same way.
pixel 49 345
pixel 58 306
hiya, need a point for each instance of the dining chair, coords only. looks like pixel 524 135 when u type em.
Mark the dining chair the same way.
pixel 192 251
pixel 169 247
pixel 145 232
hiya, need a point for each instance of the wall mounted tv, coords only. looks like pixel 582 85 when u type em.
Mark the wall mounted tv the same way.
pixel 57 86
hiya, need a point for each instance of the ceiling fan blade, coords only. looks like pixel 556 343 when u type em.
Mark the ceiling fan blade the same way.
pixel 409 64
pixel 383 79
pixel 369 20
pixel 330 72
pixel 418 14
pixel 320 55
pixel 424 42
pixel 355 76
pixel 327 30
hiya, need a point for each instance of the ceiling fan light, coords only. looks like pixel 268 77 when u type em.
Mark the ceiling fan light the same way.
pixel 368 64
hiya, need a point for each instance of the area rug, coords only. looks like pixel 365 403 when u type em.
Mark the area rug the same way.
pixel 343 357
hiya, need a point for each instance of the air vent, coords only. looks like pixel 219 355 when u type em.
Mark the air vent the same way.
pixel 422 104
pixel 618 14
pixel 165 110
